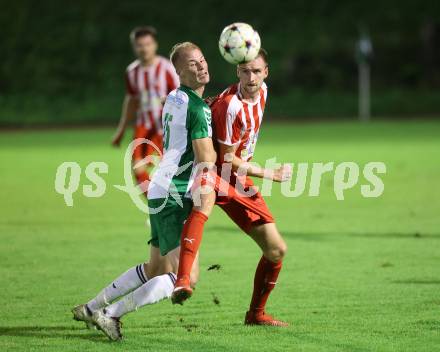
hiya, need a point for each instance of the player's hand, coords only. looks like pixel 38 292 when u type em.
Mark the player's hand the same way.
pixel 210 100
pixel 283 173
pixel 117 138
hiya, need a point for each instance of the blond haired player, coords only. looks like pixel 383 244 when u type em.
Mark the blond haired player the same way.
pixel 187 145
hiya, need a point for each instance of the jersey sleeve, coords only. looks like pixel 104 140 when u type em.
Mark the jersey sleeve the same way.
pixel 228 124
pixel 172 78
pixel 200 123
pixel 129 88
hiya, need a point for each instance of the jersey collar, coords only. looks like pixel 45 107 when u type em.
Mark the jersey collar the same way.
pixel 190 91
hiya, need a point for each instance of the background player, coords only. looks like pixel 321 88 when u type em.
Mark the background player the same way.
pixel 237 117
pixel 187 118
pixel 148 79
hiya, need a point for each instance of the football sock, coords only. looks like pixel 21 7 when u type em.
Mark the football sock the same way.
pixel 264 282
pixel 155 290
pixel 127 282
pixel 189 245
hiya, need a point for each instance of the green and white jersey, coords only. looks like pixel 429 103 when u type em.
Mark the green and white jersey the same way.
pixel 185 117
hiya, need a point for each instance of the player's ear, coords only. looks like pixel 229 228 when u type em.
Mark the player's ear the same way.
pixel 238 71
pixel 177 68
pixel 266 71
pixel 133 47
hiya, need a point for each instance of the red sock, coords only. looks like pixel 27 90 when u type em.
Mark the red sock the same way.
pixel 265 279
pixel 189 245
pixel 143 180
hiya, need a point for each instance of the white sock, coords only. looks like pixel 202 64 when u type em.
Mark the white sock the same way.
pixel 155 290
pixel 127 282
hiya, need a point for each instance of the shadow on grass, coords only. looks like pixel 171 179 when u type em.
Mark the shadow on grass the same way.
pixel 52 332
pixel 385 235
pixel 324 236
pixel 398 235
pixel 417 282
pixel 233 229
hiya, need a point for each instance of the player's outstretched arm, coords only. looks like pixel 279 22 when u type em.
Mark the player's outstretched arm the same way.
pixel 281 174
pixel 129 108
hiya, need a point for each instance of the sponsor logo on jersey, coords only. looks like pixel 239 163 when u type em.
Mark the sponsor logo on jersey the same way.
pixel 175 100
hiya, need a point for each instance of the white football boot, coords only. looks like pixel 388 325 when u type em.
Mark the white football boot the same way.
pixel 82 313
pixel 108 325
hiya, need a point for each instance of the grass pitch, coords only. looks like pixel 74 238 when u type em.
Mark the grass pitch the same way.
pixel 360 274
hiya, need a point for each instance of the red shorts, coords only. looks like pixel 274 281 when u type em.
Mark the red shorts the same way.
pixel 246 212
pixel 145 149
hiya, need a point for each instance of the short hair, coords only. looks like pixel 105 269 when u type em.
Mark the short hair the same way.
pixel 176 51
pixel 143 31
pixel 261 53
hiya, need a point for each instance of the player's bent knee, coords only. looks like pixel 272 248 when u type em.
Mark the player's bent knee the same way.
pixel 277 253
pixel 282 250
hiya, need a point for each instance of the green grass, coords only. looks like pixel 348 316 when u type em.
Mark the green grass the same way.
pixel 360 274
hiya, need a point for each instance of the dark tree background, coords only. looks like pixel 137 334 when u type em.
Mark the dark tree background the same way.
pixel 64 61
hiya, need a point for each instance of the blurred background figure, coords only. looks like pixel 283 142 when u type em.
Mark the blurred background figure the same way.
pixel 148 79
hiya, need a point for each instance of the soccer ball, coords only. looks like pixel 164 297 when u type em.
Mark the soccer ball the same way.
pixel 239 43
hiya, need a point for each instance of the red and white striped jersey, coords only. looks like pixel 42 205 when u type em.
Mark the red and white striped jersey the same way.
pixel 151 85
pixel 236 122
